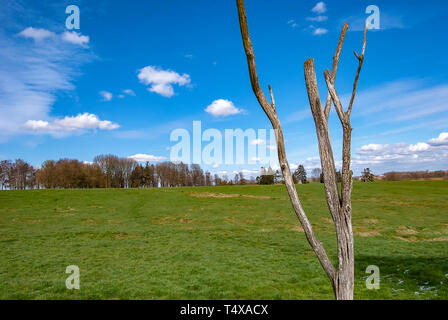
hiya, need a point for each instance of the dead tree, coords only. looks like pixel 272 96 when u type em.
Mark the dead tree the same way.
pixel 339 201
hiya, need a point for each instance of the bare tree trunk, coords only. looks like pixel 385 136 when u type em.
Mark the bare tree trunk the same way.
pixel 339 204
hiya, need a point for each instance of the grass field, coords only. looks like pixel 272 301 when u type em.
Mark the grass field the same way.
pixel 218 242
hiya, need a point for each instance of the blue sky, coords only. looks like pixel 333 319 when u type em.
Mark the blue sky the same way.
pixel 137 70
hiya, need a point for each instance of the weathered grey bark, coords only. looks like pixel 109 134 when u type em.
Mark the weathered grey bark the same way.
pixel 339 204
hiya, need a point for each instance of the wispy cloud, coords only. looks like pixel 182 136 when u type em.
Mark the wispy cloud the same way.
pixel 297 116
pixel 400 101
pixel 388 22
pixel 317 19
pixel 36 34
pixel 292 23
pixel 31 73
pixel 107 96
pixel 319 8
pixel 129 92
pixel 320 31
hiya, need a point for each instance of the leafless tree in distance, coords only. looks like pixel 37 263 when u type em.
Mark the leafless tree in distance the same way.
pixel 339 201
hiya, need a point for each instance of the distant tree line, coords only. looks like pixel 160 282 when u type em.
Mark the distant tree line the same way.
pixel 109 171
pixel 415 175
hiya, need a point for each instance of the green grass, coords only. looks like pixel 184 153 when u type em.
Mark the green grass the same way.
pixel 185 244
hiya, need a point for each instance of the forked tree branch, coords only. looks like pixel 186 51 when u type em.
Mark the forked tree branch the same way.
pixel 273 117
pixel 334 68
pixel 361 61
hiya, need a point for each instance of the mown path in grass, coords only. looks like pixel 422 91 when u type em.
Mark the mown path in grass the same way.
pixel 241 242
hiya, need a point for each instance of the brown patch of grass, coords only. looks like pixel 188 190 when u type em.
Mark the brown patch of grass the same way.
pixel 113 221
pixel 404 231
pixel 369 221
pixel 89 221
pixel 164 220
pixel 267 230
pixel 366 232
pixel 230 195
pixel 65 210
pixel 402 203
pixel 327 220
pixel 26 220
pixel 214 195
pixel 440 239
pixel 297 229
pixel 249 196
pixel 408 239
pixel 122 236
pixel 65 215
pixel 232 220
pixel 220 233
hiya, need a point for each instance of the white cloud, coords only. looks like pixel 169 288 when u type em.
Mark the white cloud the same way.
pixel 292 23
pixel 129 92
pixel 421 146
pixel 442 140
pixel 75 38
pixel 319 8
pixel 372 147
pixel 320 31
pixel 76 124
pixel 141 157
pixel 107 96
pixel 257 142
pixel 36 34
pixel 223 108
pixel 317 19
pixel 162 81
pixel 431 155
